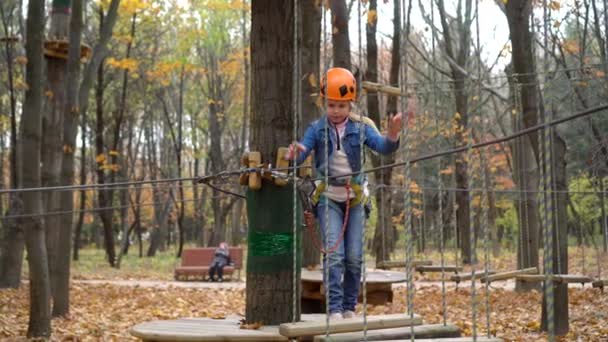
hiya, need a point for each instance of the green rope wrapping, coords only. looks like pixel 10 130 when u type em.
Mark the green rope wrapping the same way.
pixel 270 235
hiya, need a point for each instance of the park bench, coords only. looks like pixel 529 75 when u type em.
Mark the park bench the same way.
pixel 196 261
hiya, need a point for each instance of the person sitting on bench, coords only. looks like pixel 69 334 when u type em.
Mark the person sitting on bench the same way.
pixel 221 259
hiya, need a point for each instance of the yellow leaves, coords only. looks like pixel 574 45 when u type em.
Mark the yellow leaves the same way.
pixel 372 17
pixel 252 326
pixel 21 85
pixel 447 171
pixel 555 5
pixel 100 158
pixel 21 60
pixel 129 64
pixel 49 94
pixel 68 149
pixel 312 80
pixel 113 153
pixel 131 7
pixel 571 46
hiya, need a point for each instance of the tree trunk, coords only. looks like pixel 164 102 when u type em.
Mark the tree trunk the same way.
pixel 104 197
pixel 12 241
pixel 559 238
pixel 52 141
pixel 33 226
pixel 339 36
pixel 88 76
pixel 310 49
pixel 461 57
pixel 61 290
pixel 271 292
pixel 518 16
pixel 83 193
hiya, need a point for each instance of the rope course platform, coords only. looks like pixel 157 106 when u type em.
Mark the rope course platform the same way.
pixel 508 274
pixel 378 288
pixel 311 328
pixel 59 49
pixel 388 264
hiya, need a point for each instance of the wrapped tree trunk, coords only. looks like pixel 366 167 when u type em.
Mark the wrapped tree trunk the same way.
pixel 270 272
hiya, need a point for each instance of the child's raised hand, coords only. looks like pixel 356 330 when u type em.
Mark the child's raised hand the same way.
pixel 291 154
pixel 394 126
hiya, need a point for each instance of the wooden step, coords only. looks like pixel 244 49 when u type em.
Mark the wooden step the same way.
pixel 467 276
pixel 420 331
pixel 312 328
pixel 509 274
pixel 438 268
pixel 557 278
pixel 387 264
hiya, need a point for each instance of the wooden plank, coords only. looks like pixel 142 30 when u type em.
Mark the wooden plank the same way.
pixel 203 329
pixel 347 325
pixel 557 278
pixel 420 331
pixel 401 263
pixel 372 276
pixel 467 276
pixel 600 284
pixel 458 339
pixel 438 268
pixel 509 274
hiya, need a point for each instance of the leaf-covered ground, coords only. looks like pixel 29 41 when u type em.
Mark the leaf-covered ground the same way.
pixel 106 312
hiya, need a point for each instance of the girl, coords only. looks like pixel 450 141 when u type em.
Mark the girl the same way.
pixel 343 257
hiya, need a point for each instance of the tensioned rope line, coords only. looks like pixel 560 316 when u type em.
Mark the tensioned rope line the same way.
pixel 275 171
pixel 295 100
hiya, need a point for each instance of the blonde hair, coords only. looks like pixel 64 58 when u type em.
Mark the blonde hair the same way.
pixel 364 119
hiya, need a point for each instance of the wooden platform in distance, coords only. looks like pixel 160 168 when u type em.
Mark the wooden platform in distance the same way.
pixel 509 274
pixel 401 264
pixel 468 276
pixel 557 278
pixel 420 331
pixel 438 268
pixel 312 328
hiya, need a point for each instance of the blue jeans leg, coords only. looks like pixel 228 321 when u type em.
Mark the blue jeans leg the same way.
pixel 353 247
pixel 345 261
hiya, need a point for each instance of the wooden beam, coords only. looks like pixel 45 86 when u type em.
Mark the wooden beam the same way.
pixel 467 276
pixel 401 263
pixel 347 325
pixel 600 284
pixel 420 331
pixel 557 278
pixel 381 88
pixel 509 274
pixel 438 268
pixel 458 339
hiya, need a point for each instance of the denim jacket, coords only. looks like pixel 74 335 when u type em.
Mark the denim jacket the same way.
pixel 314 139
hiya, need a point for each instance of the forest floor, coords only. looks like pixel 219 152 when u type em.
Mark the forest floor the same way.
pixel 106 303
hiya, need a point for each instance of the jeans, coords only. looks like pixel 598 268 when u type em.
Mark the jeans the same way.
pixel 346 260
pixel 216 267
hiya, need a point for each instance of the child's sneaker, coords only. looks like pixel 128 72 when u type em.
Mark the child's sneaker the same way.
pixel 335 316
pixel 349 314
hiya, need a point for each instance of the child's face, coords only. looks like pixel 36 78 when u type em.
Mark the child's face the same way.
pixel 337 111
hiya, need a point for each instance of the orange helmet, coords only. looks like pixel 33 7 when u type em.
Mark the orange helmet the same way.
pixel 339 84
